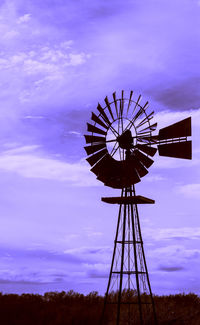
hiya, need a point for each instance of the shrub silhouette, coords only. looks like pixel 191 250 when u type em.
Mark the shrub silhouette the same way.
pixel 72 308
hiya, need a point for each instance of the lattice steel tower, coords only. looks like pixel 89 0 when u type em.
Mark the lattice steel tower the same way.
pixel 121 144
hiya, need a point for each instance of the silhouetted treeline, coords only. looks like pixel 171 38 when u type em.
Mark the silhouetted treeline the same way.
pixel 72 308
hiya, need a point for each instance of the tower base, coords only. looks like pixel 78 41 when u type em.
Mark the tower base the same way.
pixel 128 298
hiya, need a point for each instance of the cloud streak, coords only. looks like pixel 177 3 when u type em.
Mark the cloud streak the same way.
pixel 27 163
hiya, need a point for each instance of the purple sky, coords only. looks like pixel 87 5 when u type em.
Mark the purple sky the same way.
pixel 58 58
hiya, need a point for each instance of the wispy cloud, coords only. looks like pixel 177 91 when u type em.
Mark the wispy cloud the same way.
pixel 28 163
pixel 170 268
pixel 24 19
pixel 190 190
pixel 158 234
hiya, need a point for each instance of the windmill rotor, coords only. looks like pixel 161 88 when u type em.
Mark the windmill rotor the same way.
pixel 121 144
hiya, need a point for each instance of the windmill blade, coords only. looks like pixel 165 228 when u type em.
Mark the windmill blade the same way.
pixel 121 182
pixel 146 105
pixel 97 156
pixel 115 101
pixel 145 160
pixel 140 112
pixel 137 103
pixel 92 128
pixel 176 130
pixel 113 170
pixel 132 172
pixel 98 121
pixel 146 149
pixel 130 101
pixel 138 166
pixel 142 171
pixel 93 138
pixel 104 116
pixel 108 169
pixel 145 120
pixel 177 150
pixel 109 108
pixel 94 148
pixel 122 104
pixel 102 165
pixel 149 128
pixel 120 174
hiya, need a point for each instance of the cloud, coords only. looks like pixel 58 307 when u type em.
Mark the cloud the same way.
pixel 21 282
pixel 89 250
pixel 10 35
pixel 26 162
pixel 170 268
pixel 98 270
pixel 190 190
pixel 182 96
pixel 43 60
pixel 24 19
pixel 155 178
pixel 158 234
pixel 38 266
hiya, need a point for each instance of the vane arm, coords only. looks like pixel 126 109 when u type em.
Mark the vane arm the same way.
pixel 155 140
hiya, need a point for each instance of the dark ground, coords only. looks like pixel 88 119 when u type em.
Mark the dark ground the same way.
pixel 72 308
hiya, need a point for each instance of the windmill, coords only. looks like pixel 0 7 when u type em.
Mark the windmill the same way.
pixel 120 147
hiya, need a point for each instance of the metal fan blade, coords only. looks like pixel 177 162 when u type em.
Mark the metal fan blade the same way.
pixel 138 114
pixel 104 116
pixel 94 148
pixel 93 138
pixel 109 108
pixel 102 165
pixel 145 120
pixel 108 169
pixel 115 101
pixel 142 171
pixel 92 128
pixel 119 175
pixel 97 156
pixel 145 160
pixel 112 170
pixel 145 106
pixel 122 104
pixel 141 111
pixel 147 149
pixel 131 171
pixel 98 121
pixel 176 130
pixel 130 101
pixel 121 182
pixel 149 127
pixel 177 150
pixel 137 103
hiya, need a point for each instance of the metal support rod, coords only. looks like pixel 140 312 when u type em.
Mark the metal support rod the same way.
pixel 122 264
pixel 145 264
pixel 129 267
pixel 112 263
pixel 136 264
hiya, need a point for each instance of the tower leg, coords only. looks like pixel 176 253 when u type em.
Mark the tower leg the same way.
pixel 128 299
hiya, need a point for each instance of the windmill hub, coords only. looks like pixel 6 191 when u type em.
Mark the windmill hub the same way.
pixel 125 140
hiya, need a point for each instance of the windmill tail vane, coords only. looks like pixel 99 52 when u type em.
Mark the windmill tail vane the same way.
pixel 120 147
